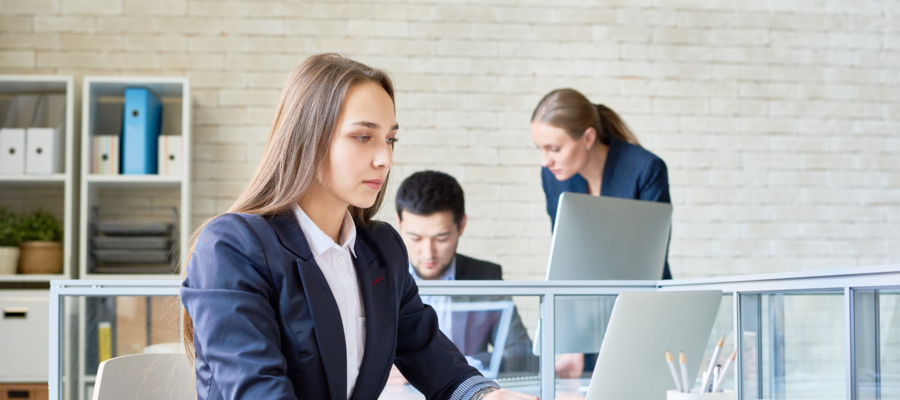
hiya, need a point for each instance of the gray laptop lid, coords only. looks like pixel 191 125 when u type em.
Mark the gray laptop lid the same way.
pixel 608 238
pixel 643 325
pixel 482 324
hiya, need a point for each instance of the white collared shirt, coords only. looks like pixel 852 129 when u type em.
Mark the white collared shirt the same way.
pixel 337 265
pixel 441 304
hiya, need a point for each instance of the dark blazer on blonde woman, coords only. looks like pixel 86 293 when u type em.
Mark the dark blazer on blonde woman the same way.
pixel 266 325
pixel 630 172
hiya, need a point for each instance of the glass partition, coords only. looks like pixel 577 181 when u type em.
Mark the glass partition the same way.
pixel 823 335
pixel 98 328
pixel 477 325
pixel 579 329
pixel 877 343
pixel 722 328
pixel 793 346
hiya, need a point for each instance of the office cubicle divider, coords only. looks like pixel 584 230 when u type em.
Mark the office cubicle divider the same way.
pixel 758 303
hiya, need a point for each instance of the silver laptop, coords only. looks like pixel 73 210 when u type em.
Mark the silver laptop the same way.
pixel 608 238
pixel 479 319
pixel 643 325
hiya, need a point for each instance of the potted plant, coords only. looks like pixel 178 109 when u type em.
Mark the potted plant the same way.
pixel 9 241
pixel 41 248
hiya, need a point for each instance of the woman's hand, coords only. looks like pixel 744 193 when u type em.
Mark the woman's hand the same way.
pixel 569 365
pixel 503 394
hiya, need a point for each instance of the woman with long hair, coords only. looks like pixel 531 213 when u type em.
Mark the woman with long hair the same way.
pixel 295 292
pixel 587 148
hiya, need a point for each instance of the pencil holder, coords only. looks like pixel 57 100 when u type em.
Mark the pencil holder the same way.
pixel 696 395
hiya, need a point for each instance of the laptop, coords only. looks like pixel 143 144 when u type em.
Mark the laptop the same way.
pixel 643 325
pixel 472 321
pixel 608 238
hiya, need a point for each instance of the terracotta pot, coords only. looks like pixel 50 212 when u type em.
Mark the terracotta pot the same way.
pixel 9 258
pixel 41 258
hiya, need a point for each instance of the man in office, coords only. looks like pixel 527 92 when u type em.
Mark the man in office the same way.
pixel 431 218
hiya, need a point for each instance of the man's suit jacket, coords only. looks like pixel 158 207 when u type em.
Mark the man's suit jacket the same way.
pixel 518 355
pixel 266 325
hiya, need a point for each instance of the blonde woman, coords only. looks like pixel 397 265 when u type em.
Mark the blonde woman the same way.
pixel 295 293
pixel 587 148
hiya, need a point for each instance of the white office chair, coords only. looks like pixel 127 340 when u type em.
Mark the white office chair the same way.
pixel 146 377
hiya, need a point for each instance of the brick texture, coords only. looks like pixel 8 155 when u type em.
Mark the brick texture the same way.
pixel 780 123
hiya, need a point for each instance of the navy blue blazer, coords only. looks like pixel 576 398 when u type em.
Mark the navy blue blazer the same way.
pixel 266 325
pixel 630 172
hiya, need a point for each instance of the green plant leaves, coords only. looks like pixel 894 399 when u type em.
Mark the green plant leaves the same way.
pixel 10 236
pixel 37 226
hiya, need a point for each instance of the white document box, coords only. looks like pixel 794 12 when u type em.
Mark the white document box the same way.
pixel 44 139
pixel 105 155
pixel 170 155
pixel 12 151
pixel 19 115
pixel 24 335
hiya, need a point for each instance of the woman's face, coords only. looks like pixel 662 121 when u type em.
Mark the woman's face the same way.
pixel 563 155
pixel 361 152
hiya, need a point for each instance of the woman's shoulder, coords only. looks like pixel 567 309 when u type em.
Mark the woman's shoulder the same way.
pixel 634 160
pixel 240 221
pixel 637 153
pixel 227 244
pixel 234 226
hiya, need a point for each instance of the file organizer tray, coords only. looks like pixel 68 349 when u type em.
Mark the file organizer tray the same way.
pixel 132 243
pixel 133 228
pixel 132 256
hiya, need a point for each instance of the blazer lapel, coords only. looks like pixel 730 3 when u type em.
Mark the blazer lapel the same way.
pixel 462 269
pixel 609 167
pixel 328 325
pixel 376 287
pixel 322 306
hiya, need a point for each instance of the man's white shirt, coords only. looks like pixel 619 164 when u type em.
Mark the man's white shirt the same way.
pixel 441 304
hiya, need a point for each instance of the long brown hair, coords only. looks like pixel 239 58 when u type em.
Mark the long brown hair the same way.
pixel 570 110
pixel 298 144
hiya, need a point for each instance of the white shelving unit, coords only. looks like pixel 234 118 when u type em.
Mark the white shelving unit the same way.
pixel 175 93
pixel 19 185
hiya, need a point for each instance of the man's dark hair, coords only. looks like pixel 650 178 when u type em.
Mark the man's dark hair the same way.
pixel 428 192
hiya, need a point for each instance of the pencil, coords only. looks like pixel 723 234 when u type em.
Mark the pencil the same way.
pixel 712 364
pixel 684 373
pixel 671 361
pixel 718 385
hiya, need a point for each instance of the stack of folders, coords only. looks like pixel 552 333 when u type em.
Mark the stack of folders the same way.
pixel 31 137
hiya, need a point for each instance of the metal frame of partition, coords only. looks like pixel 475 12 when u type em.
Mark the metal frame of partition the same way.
pixel 846 281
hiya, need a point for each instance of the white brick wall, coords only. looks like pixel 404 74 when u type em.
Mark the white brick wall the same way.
pixel 780 121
